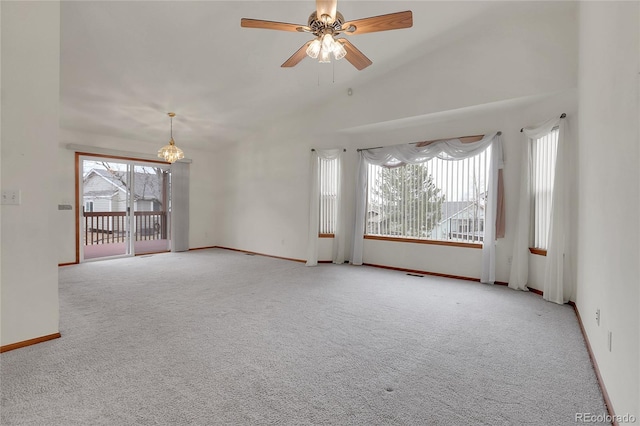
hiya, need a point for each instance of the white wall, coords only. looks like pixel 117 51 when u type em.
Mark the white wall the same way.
pixel 202 223
pixel 30 110
pixel 609 193
pixel 263 194
pixel 512 74
pixel 1 178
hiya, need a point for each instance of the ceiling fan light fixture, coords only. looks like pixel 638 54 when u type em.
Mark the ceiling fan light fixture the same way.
pixel 171 153
pixel 314 49
pixel 325 56
pixel 339 51
pixel 324 46
pixel 327 42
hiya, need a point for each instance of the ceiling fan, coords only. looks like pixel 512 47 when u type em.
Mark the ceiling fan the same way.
pixel 325 23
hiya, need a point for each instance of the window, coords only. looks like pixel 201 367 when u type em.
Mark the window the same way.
pixel 439 199
pixel 88 206
pixel 543 153
pixel 328 196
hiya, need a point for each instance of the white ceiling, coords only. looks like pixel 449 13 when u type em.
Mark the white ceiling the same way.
pixel 124 65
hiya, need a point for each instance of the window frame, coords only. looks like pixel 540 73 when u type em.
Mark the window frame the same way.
pixel 322 208
pixel 432 241
pixel 533 249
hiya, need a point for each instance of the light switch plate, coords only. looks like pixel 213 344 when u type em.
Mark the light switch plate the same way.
pixel 10 197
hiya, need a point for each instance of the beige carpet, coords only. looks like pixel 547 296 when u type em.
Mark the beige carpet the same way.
pixel 217 337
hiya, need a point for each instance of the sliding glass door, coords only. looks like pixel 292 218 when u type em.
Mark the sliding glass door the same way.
pixel 124 207
pixel 151 205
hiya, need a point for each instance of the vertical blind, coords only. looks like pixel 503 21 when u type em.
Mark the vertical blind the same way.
pixel 440 199
pixel 544 151
pixel 328 195
pixel 179 206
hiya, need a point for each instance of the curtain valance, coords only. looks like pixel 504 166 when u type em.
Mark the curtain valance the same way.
pixel 541 129
pixel 450 149
pixel 327 154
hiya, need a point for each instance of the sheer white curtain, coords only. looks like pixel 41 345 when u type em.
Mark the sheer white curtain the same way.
pixel 519 274
pixel 314 207
pixel 452 149
pixel 557 277
pixel 496 163
pixel 558 283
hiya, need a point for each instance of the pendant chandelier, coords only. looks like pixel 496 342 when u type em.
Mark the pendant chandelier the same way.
pixel 171 153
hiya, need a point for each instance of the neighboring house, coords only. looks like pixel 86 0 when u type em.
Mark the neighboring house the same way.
pixel 104 191
pixel 461 220
pixel 373 220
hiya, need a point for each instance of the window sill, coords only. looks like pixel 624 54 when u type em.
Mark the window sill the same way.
pixel 539 252
pixel 419 241
pixel 326 235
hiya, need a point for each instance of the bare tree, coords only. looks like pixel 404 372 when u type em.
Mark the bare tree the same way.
pixel 146 180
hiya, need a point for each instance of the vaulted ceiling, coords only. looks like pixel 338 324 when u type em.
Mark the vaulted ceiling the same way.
pixel 125 64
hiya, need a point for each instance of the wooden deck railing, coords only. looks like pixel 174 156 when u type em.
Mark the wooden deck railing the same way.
pixel 111 227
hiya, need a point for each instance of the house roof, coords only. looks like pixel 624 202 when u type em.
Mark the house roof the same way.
pixel 147 185
pixel 453 208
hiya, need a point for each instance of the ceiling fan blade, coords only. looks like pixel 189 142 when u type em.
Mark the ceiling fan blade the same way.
pixel 392 21
pixel 272 25
pixel 355 56
pixel 297 57
pixel 326 7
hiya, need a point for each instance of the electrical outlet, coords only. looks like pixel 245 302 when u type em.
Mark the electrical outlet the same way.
pixel 598 316
pixel 610 337
pixel 510 259
pixel 11 196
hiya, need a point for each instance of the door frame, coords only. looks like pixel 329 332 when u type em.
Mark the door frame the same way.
pixel 79 202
